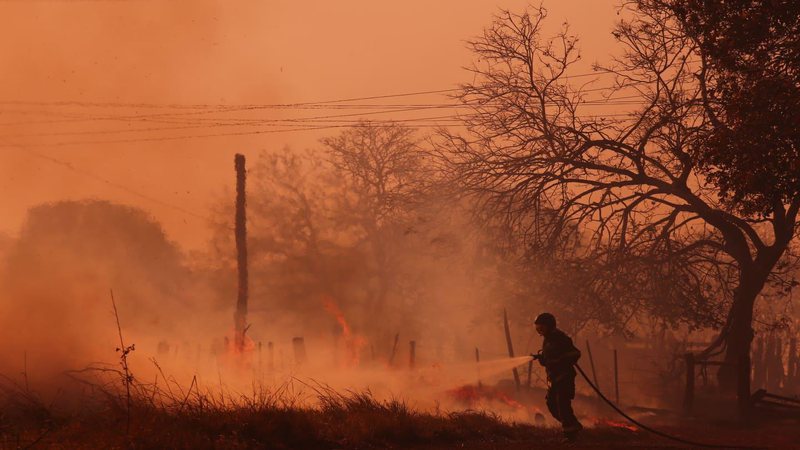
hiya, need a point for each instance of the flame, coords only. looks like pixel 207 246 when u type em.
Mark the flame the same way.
pixel 470 395
pixel 615 424
pixel 353 343
pixel 236 356
pixel 246 348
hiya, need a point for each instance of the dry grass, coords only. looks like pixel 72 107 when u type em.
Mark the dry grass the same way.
pixel 165 415
pixel 168 416
pixel 93 413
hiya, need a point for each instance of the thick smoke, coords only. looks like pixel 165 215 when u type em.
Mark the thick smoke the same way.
pixel 57 313
pixel 57 280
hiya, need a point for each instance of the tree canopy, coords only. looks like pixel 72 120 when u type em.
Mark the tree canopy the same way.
pixel 661 189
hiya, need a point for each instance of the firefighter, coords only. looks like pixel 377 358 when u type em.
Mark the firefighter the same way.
pixel 558 356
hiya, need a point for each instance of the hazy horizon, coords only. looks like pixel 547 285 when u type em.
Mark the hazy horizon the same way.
pixel 160 53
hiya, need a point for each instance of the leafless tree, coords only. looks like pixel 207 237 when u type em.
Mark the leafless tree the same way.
pixel 632 182
pixel 384 171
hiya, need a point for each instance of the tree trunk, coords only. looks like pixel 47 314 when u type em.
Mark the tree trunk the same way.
pixel 734 377
pixel 378 298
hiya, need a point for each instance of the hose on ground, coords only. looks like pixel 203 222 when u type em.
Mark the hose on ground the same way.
pixel 653 430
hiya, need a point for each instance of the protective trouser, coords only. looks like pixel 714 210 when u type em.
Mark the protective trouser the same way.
pixel 559 403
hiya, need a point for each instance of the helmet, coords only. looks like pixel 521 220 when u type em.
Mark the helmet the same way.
pixel 545 319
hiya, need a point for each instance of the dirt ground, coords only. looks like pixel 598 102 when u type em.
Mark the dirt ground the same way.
pixel 778 435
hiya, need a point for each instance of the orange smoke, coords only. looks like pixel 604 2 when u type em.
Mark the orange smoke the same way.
pixel 353 343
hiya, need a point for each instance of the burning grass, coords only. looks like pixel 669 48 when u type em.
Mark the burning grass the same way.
pixel 93 413
pixel 294 415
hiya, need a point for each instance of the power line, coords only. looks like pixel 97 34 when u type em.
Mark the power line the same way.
pixel 205 106
pixel 413 122
pixel 148 116
pixel 240 133
pixel 175 138
pixel 307 123
pixel 338 118
pixel 372 110
pixel 114 184
pixel 223 106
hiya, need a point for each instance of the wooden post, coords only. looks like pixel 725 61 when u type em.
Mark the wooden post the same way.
pixel 299 350
pixel 591 363
pixel 394 349
pixel 688 396
pixel 271 356
pixel 412 354
pixel 478 365
pixel 616 378
pixel 240 317
pixel 510 347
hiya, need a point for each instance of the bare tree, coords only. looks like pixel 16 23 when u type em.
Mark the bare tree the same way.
pixel 331 223
pixel 633 182
pixel 383 168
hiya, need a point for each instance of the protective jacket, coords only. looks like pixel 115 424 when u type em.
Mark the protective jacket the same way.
pixel 559 355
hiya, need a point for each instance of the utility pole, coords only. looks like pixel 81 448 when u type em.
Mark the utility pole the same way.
pixel 240 317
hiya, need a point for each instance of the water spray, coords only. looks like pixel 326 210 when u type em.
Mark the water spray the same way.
pixel 495 366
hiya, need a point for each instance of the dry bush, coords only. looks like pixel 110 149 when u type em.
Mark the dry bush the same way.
pixel 293 415
pixel 166 415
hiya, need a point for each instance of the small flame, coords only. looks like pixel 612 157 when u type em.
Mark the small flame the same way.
pixel 237 356
pixel 353 343
pixel 616 424
pixel 470 395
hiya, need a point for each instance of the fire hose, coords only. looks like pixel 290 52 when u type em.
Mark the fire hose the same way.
pixel 653 430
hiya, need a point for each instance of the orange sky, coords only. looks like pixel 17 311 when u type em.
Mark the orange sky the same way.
pixel 201 52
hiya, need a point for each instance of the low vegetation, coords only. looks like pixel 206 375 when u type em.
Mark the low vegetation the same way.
pixel 168 416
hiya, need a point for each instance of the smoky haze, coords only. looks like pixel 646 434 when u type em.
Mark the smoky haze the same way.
pixel 177 309
pixel 118 128
pixel 160 52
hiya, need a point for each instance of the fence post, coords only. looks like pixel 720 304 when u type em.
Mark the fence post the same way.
pixel 394 349
pixel 510 348
pixel 270 356
pixel 591 363
pixel 478 365
pixel 299 350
